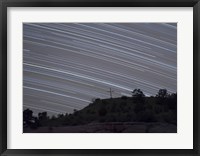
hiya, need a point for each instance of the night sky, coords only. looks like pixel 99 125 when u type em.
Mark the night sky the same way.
pixel 67 65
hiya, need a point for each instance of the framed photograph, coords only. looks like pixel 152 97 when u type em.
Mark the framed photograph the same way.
pixel 104 77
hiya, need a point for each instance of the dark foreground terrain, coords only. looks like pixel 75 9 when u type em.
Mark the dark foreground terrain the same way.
pixel 117 127
pixel 136 114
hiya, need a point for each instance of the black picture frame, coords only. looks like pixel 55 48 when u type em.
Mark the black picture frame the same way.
pixel 4 4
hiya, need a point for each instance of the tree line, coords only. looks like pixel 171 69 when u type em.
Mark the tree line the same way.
pixel 159 108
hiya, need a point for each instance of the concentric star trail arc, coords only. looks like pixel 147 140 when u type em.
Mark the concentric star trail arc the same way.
pixel 67 65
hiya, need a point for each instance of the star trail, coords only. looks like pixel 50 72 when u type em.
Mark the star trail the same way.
pixel 67 65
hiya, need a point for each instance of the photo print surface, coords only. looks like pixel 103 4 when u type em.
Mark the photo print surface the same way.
pixel 99 78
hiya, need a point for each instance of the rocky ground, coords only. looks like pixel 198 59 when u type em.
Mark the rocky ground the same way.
pixel 115 127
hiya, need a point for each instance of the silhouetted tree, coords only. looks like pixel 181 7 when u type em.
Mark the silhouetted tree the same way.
pixel 60 116
pixel 29 120
pixel 172 101
pixel 27 115
pixel 138 97
pixel 53 117
pixel 162 93
pixel 42 116
pixel 137 93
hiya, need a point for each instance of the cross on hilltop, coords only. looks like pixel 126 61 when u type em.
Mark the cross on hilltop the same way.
pixel 111 91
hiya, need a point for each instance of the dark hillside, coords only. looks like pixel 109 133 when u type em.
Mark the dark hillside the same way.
pixel 126 109
pixel 137 109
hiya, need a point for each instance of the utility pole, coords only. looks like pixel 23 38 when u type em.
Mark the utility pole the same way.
pixel 111 93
